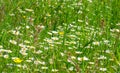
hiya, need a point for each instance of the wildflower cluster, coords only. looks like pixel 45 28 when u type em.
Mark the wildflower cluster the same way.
pixel 59 36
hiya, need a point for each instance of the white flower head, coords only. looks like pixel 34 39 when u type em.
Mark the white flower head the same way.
pixel 13 42
pixel 90 1
pixel 44 67
pixel 82 58
pixel 91 63
pixel 78 52
pixel 38 52
pixel 71 68
pixel 1 46
pixel 27 27
pixel 15 32
pixel 96 43
pixel 108 51
pixel 22 45
pixel 85 58
pixel 26 41
pixel 29 10
pixel 103 69
pixel 102 57
pixel 28 61
pixel 54 32
pixel 23 52
pixel 79 59
pixel 62 54
pixel 55 38
pixel 73 57
pixel 54 70
pixel 6 56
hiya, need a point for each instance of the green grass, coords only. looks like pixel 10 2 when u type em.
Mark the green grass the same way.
pixel 79 36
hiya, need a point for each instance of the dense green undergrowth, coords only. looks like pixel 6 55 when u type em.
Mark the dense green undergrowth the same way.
pixel 59 36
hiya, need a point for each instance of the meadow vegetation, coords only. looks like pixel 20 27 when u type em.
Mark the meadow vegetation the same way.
pixel 59 36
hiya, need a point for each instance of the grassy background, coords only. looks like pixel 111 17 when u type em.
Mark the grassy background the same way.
pixel 82 23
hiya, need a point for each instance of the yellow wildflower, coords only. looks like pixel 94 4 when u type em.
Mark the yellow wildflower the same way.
pixel 24 17
pixel 17 60
pixel 61 33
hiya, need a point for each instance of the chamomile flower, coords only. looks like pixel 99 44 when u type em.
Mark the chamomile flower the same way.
pixel 13 42
pixel 1 46
pixel 103 69
pixel 29 10
pixel 96 43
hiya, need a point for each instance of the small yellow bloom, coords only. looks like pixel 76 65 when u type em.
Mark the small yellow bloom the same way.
pixel 48 15
pixel 61 33
pixel 17 60
pixel 24 17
